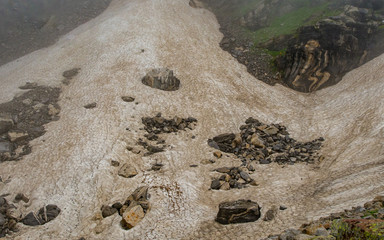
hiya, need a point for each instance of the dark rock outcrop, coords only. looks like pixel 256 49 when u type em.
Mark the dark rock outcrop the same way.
pixel 322 54
pixel 161 78
pixel 240 211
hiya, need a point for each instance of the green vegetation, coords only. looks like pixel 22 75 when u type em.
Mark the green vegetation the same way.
pixel 290 22
pixel 343 231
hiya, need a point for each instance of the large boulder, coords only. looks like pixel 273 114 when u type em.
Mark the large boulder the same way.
pixel 161 78
pixel 239 211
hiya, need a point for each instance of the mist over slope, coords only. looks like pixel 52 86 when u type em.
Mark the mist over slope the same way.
pixel 70 165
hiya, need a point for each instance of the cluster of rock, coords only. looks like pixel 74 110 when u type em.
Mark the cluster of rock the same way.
pixel 158 124
pixel 23 119
pixel 133 210
pixel 265 143
pixel 362 222
pixel 234 177
pixel 161 78
pixel 9 218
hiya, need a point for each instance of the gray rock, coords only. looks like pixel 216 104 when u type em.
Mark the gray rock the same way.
pixel 5 147
pixel 107 211
pixel 141 193
pixel 161 78
pixel 215 184
pixel 245 176
pixel 290 234
pixel 5 124
pixel 91 105
pixel 127 99
pixel 2 219
pixel 270 214
pixel 321 232
pixel 31 220
pixel 282 207
pixel 21 197
pixel 239 211
pixel 69 74
pixel 28 85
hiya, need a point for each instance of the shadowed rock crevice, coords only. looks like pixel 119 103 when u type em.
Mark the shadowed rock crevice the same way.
pixel 23 119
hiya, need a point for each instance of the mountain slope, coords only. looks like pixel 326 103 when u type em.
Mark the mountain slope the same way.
pixel 70 165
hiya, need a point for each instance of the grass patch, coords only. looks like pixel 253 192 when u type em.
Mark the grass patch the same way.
pixel 290 22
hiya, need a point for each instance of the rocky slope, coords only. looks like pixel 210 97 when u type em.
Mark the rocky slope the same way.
pixel 75 165
pixel 309 44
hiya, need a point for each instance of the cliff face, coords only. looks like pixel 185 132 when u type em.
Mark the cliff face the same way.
pixel 322 54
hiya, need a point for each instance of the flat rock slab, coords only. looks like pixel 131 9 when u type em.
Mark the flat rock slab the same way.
pixel 127 171
pixel 240 211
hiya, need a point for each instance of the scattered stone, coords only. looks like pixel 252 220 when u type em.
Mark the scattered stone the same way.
pixel 282 207
pixel 235 176
pixel 217 154
pixel 239 211
pixel 69 74
pixel 107 211
pixel 127 171
pixel 17 135
pixel 44 215
pixel 21 197
pixel 28 85
pixel 161 78
pixel 115 163
pixel 128 99
pixel 270 214
pixel 193 165
pixel 90 106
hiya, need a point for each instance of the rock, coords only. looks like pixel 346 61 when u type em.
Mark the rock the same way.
pixel 157 166
pixel 21 197
pixel 239 211
pixel 127 171
pixel 115 163
pixel 31 220
pixel 117 206
pixel 161 78
pixel 49 213
pixel 52 110
pixel 5 147
pixel 154 149
pixel 271 130
pixel 127 99
pixel 5 124
pixel 223 138
pixel 225 186
pixel 257 142
pixel 245 176
pixel 69 74
pixel 290 234
pixel 223 170
pixel 217 154
pixel 270 214
pixel 141 193
pixel 215 184
pixel 107 211
pixel 321 232
pixel 132 216
pixel 282 207
pixel 2 220
pixel 17 135
pixel 91 105
pixel 28 85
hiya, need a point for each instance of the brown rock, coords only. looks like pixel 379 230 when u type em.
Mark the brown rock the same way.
pixel 127 99
pixel 16 135
pixel 132 216
pixel 127 171
pixel 161 78
pixel 217 154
